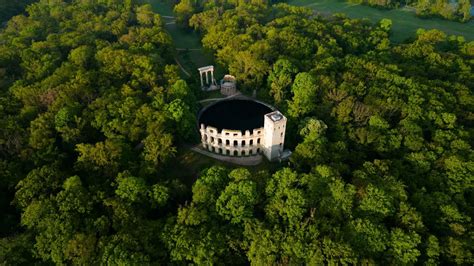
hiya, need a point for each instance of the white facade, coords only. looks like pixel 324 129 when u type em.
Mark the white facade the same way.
pixel 268 140
pixel 274 135
pixel 232 142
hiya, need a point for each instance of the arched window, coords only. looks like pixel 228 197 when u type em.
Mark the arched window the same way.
pixel 227 142
pixel 236 143
pixel 258 141
pixel 236 153
pixel 243 143
pixel 251 142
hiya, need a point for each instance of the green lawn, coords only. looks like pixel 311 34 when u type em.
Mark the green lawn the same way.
pixel 405 22
pixel 161 7
pixel 188 164
pixel 187 42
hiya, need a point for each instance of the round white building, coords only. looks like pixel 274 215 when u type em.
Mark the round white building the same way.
pixel 228 85
pixel 242 127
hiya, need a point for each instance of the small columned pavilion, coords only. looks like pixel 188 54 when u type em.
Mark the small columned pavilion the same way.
pixel 206 70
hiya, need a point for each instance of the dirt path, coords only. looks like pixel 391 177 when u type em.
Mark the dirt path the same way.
pixel 182 68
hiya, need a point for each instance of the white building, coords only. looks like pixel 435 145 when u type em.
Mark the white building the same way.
pixel 269 139
pixel 228 85
pixel 274 135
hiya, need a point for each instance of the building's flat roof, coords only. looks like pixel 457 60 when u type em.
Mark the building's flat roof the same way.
pixel 275 116
pixel 206 68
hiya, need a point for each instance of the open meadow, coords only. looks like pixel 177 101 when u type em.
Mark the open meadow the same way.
pixel 190 52
pixel 405 21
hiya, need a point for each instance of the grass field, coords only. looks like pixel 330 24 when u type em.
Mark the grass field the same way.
pixel 188 164
pixel 405 22
pixel 190 52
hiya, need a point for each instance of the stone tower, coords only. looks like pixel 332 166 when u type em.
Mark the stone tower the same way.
pixel 274 135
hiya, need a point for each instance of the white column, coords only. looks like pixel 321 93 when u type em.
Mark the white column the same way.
pixel 212 77
pixel 200 76
pixel 207 78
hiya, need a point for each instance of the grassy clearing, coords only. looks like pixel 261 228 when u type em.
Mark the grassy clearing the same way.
pixel 190 52
pixel 189 164
pixel 161 7
pixel 213 94
pixel 405 22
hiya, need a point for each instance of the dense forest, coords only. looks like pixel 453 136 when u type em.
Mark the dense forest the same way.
pixel 93 112
pixel 449 9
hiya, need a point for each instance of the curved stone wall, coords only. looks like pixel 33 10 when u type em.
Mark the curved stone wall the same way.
pixel 232 142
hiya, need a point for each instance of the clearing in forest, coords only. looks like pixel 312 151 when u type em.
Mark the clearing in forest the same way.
pixel 405 21
pixel 187 42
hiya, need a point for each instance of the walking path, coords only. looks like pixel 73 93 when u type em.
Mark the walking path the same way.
pixel 246 161
pixel 218 99
pixel 172 21
pixel 189 51
pixel 182 68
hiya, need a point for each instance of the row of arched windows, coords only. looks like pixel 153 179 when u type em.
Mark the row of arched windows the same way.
pixel 248 152
pixel 228 142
